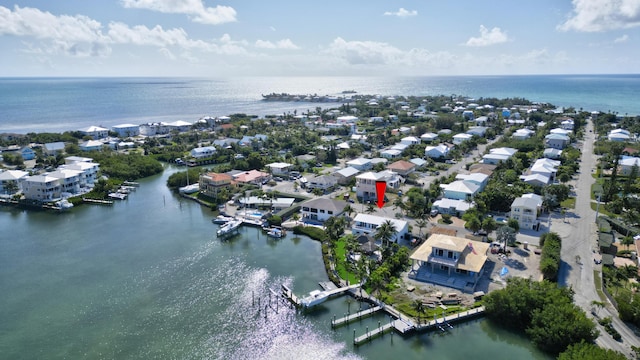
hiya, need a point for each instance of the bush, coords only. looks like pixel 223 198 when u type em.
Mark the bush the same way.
pixel 312 232
pixel 446 218
pixel 275 220
pixel 550 256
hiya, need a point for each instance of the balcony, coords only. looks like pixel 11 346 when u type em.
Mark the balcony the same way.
pixel 443 261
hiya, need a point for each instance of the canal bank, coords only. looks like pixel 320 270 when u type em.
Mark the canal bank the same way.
pixel 146 278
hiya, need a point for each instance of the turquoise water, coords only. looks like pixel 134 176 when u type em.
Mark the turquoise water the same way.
pixel 62 104
pixel 146 278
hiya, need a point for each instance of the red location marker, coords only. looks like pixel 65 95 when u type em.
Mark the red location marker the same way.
pixel 381 187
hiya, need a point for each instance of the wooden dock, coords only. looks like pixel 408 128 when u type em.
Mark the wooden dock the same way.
pixel 373 334
pixel 96 201
pixel 359 315
pixel 287 293
pixel 453 318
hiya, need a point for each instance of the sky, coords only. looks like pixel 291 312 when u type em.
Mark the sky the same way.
pixel 206 38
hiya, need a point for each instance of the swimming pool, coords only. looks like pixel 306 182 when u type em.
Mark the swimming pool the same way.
pixel 501 219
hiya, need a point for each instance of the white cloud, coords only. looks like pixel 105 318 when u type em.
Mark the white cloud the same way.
pixel 281 44
pixel 622 39
pixel 195 9
pixel 364 52
pixel 488 37
pixel 602 15
pixel 402 12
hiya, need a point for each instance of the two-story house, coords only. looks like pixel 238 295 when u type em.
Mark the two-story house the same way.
pixel 203 152
pixel 366 183
pixel 212 183
pixel 368 224
pixel 460 190
pixel 43 188
pixel 11 181
pixel 321 209
pixel 361 164
pixel 525 209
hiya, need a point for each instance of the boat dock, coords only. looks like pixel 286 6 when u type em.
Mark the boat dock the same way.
pixel 287 293
pixel 329 292
pixel 445 322
pixel 97 201
pixel 359 315
pixel 373 334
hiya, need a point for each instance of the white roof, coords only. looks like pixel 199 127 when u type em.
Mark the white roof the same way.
pixel 379 220
pixel 459 205
pixel 348 171
pixel 124 126
pixel 461 186
pixel 629 161
pixel 524 202
pixel 411 139
pixel 462 136
pixel 503 151
pixel 93 129
pixel 13 175
pixel 560 131
pixel 391 152
pixel 535 178
pixel 359 161
pixel 279 165
pixel 91 143
pixel 429 136
pixel 473 177
pixel 65 173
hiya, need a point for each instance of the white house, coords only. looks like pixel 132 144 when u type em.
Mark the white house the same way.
pixel 477 178
pixel 410 140
pixel 366 183
pixel 557 141
pixel 361 164
pixel 53 149
pixel 546 167
pixel 344 176
pixel 498 155
pixel 399 146
pixel 627 163
pixel 477 131
pixel 391 153
pixel 96 132
pixel 203 152
pixel 88 169
pixel 460 138
pixel 91 145
pixel 322 182
pixel 551 153
pixel 42 188
pixel 460 190
pixel 522 134
pixel 11 181
pixel 453 207
pixel 567 124
pixel 429 137
pixel 525 209
pixel 321 209
pixel 536 180
pixel 126 130
pixel 619 135
pixel 437 152
pixel 560 131
pixel 279 168
pixel 70 180
pixel 368 224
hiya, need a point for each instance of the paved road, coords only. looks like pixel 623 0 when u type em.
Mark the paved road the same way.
pixel 579 238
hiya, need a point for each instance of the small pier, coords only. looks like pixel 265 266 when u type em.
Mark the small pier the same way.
pixel 444 323
pixel 359 315
pixel 372 334
pixel 330 291
pixel 287 293
pixel 97 201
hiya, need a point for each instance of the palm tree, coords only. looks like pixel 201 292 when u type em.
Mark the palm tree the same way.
pixel 370 209
pixel 385 232
pixel 474 224
pixel 418 306
pixel 348 210
pixel 421 223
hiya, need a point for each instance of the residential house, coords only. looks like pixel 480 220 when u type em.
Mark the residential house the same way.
pixel 323 182
pixel 11 181
pixel 557 141
pixel 402 167
pixel 559 131
pixel 536 180
pixel 368 224
pixel 360 138
pixel 453 207
pixel 498 155
pixel 366 183
pixel 481 120
pixel 410 140
pixel 27 153
pixel 546 167
pixel 76 159
pixel 252 177
pixel 399 146
pixel 391 153
pixel 525 209
pixel 627 163
pixel 126 130
pixel 419 163
pixel 477 131
pixel 460 138
pixel 279 168
pixel 262 202
pixel 212 183
pixel 478 178
pixel 429 137
pixel 88 169
pixel 43 188
pixel 225 143
pixel 344 176
pixel 450 261
pixel 361 164
pixel 567 124
pixel 70 180
pixel 321 209
pixel 53 149
pixel 551 153
pixel 522 134
pixel 619 135
pixel 437 152
pixel 96 132
pixel 91 145
pixel 460 190
pixel 487 169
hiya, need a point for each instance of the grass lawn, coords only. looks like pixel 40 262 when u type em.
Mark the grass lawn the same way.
pixel 342 266
pixel 569 203
pixel 598 281
pixel 602 210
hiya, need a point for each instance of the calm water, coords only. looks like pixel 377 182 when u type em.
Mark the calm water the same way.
pixel 61 104
pixel 146 278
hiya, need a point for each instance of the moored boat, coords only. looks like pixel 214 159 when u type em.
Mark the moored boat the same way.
pixel 221 219
pixel 314 298
pixel 229 227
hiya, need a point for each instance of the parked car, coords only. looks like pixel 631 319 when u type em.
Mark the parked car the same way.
pixel 434 212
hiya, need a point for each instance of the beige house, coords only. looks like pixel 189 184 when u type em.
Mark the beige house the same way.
pixel 525 209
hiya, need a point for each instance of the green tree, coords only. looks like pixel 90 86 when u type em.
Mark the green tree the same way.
pixel 558 325
pixel 489 224
pixel 588 351
pixel 385 232
pixel 421 223
pixel 514 224
pixel 473 224
pixel 506 235
pixel 419 308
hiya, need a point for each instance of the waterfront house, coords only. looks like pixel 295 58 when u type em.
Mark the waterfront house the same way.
pixel 11 181
pixel 429 137
pixel 96 132
pixel 450 261
pixel 42 188
pixel 126 130
pixel 437 152
pixel 91 145
pixel 263 202
pixel 321 209
pixel 557 141
pixel 70 180
pixel 525 209
pixel 323 182
pixel 402 167
pixel 460 190
pixel 361 164
pixel 27 153
pixel 212 183
pixel 368 224
pixel 344 176
pixel 54 148
pixel 460 138
pixel 203 152
pixel 75 159
pixel 88 169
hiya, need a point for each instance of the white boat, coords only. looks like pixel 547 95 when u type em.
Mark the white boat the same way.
pixel 63 204
pixel 229 227
pixel 314 298
pixel 221 219
pixel 189 189
pixel 117 196
pixel 276 233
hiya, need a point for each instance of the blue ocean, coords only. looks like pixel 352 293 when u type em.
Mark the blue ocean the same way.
pixel 62 104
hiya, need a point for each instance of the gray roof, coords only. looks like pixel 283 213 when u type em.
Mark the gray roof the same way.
pixel 327 204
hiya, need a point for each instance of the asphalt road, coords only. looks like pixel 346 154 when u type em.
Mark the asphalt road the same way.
pixel 579 243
